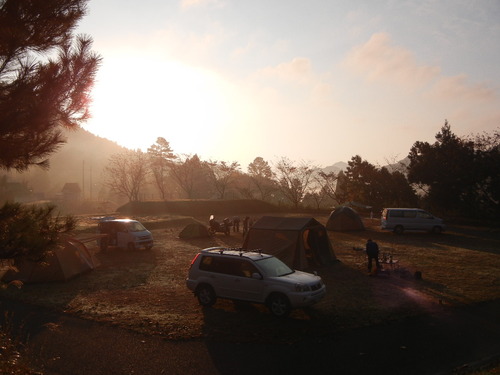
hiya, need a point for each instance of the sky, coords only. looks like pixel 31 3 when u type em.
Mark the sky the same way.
pixel 316 81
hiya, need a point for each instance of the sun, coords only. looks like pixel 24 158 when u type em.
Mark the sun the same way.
pixel 138 99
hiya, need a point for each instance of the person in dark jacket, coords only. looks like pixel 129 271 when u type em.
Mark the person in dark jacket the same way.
pixel 372 253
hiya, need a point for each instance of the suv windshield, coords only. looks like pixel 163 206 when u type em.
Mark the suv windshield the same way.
pixel 274 267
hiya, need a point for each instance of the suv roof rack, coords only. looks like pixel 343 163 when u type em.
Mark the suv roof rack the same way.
pixel 241 250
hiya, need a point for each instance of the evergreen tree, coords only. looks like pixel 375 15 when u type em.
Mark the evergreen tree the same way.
pixel 445 168
pixel 46 75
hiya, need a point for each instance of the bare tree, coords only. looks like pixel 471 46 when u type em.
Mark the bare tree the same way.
pixel 261 175
pixel 161 160
pixel 222 174
pixel 127 173
pixel 189 173
pixel 333 185
pixel 293 179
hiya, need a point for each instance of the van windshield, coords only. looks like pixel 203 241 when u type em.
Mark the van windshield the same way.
pixel 273 267
pixel 135 226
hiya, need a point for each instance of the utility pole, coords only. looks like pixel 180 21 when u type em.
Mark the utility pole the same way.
pixel 83 179
pixel 91 182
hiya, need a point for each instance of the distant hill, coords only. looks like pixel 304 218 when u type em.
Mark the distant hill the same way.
pixel 81 160
pixel 337 167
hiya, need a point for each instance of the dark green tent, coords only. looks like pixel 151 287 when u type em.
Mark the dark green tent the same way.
pixel 300 242
pixel 344 219
pixel 194 230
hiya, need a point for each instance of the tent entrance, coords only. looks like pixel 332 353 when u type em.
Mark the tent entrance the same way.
pixel 301 243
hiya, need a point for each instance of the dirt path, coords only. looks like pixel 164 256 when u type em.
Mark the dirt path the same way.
pixel 437 343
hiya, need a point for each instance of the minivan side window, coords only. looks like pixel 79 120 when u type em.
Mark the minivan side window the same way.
pixel 410 214
pixel 396 213
pixel 424 215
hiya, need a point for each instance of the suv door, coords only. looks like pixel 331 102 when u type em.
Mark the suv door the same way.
pixel 232 277
pixel 245 286
pixel 220 272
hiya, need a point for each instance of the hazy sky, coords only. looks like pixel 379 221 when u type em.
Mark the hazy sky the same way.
pixel 318 80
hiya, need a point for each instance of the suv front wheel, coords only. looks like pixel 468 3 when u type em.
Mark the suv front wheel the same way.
pixel 279 305
pixel 206 295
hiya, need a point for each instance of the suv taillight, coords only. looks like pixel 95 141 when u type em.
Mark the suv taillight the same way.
pixel 194 260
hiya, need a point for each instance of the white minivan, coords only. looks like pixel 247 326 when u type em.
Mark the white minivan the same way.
pixel 401 219
pixel 124 233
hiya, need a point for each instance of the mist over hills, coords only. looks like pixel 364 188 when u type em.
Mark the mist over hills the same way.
pixel 82 160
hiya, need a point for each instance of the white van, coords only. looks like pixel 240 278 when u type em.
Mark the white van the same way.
pixel 125 234
pixel 401 219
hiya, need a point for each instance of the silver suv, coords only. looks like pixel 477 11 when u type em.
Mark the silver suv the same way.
pixel 251 276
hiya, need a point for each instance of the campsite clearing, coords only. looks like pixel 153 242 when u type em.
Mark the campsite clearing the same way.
pixel 145 290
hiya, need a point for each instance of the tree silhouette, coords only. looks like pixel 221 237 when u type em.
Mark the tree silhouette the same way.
pixel 445 169
pixel 222 174
pixel 30 231
pixel 261 175
pixel 126 173
pixel 161 160
pixel 46 75
pixel 190 174
pixel 377 187
pixel 293 179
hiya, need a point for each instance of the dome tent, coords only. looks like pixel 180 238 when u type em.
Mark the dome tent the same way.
pixel 194 230
pixel 344 219
pixel 61 264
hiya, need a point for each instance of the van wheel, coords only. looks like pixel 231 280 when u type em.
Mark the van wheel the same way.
pixel 399 229
pixel 279 305
pixel 206 295
pixel 437 230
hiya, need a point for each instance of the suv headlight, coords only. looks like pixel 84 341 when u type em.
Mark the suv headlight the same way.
pixel 301 288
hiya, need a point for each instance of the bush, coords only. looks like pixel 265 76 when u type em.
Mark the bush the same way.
pixel 31 231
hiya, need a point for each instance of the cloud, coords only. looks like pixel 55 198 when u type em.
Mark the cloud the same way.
pixel 380 60
pixel 457 87
pixel 298 70
pixel 186 4
pixel 296 77
pixel 322 94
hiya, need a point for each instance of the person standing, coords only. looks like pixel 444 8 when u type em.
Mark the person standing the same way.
pixel 245 225
pixel 236 224
pixel 372 253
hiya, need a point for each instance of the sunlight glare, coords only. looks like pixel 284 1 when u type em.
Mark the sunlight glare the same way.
pixel 137 100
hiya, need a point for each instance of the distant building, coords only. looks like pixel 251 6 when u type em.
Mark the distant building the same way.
pixel 71 192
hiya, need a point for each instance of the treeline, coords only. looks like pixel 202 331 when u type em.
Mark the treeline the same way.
pixel 454 175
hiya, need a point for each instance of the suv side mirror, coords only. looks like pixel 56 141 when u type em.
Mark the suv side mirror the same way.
pixel 257 276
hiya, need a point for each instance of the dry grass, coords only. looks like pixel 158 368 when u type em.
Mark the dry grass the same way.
pixel 145 290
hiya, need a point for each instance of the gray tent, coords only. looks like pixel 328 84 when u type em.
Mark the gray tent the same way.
pixel 300 242
pixel 62 264
pixel 344 219
pixel 194 230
